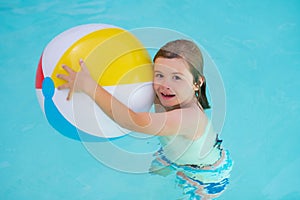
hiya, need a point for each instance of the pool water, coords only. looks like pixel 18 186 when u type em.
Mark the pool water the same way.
pixel 254 44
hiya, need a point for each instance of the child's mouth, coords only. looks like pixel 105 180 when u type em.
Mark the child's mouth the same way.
pixel 167 96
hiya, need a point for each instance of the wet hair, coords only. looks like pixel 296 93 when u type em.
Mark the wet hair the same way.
pixel 188 51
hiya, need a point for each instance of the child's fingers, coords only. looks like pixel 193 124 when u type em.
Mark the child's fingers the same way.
pixel 70 78
pixel 83 65
pixel 64 77
pixel 70 94
pixel 64 86
pixel 68 69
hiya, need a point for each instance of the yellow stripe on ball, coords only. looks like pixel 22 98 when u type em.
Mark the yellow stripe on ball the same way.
pixel 113 56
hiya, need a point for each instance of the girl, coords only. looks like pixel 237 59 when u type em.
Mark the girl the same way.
pixel 189 144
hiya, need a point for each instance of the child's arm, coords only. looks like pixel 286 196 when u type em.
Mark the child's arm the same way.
pixel 166 123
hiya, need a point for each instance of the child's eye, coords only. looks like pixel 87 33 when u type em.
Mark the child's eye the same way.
pixel 176 78
pixel 158 76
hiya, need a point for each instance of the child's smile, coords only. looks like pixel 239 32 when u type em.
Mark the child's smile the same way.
pixel 173 82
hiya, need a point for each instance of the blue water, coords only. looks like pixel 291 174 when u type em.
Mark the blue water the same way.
pixel 256 46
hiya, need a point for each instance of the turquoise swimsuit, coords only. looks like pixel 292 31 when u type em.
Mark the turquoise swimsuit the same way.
pixel 183 151
pixel 199 173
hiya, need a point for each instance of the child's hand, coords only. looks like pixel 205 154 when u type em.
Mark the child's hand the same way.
pixel 77 81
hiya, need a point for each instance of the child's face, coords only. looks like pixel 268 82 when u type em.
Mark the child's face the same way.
pixel 173 82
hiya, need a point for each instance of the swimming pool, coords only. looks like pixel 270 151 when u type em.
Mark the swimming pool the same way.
pixel 256 46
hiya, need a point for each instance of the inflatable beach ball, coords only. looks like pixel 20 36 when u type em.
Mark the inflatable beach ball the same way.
pixel 115 58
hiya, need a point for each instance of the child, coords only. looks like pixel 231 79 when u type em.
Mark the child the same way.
pixel 189 144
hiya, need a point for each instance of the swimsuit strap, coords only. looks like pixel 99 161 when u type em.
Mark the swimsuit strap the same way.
pixel 218 142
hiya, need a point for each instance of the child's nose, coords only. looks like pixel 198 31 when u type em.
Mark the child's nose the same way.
pixel 166 84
